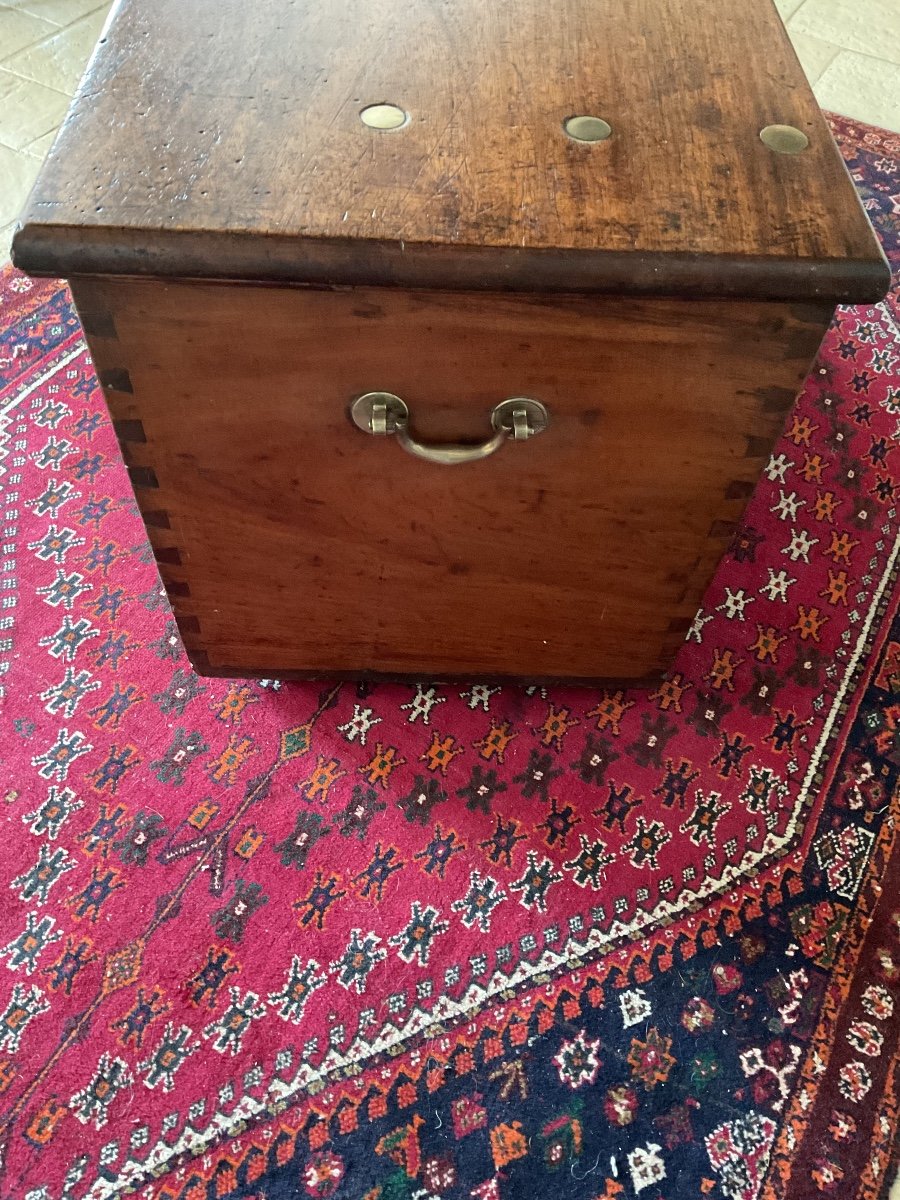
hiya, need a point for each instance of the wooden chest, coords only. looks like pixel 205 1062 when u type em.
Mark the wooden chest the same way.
pixel 574 256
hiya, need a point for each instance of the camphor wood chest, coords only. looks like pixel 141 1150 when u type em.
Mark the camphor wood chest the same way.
pixel 626 217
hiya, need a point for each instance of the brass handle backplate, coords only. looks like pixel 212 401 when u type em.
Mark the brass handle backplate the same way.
pixel 383 414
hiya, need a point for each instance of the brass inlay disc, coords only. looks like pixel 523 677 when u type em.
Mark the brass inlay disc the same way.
pixel 383 116
pixel 784 139
pixel 587 129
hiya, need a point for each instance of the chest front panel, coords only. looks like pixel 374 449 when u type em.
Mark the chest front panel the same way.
pixel 291 542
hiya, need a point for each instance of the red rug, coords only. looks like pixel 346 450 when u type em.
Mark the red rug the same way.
pixel 278 940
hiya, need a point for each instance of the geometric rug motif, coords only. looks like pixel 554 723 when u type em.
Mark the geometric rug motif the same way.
pixel 268 939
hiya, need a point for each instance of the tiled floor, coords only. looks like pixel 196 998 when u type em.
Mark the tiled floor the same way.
pixel 44 47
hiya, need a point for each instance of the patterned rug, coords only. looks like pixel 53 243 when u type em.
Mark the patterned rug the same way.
pixel 403 942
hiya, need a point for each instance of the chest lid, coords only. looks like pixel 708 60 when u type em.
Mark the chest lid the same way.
pixel 219 139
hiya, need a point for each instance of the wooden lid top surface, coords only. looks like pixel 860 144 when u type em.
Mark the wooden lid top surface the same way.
pixel 218 138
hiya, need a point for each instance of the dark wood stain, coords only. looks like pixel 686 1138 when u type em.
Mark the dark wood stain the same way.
pixel 156 519
pixel 98 323
pixel 116 378
pixel 142 477
pixel 175 588
pixel 739 489
pixel 129 431
pixel 775 399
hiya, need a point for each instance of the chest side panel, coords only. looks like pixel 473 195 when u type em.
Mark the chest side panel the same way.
pixel 290 541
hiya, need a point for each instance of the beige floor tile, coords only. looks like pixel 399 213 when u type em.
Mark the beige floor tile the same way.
pixel 28 110
pixel 814 54
pixel 40 146
pixel 58 61
pixel 895 1190
pixel 59 12
pixel 866 26
pixel 5 238
pixel 18 172
pixel 19 29
pixel 787 8
pixel 862 87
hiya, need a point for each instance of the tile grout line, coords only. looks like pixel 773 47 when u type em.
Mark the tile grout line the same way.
pixel 39 82
pixel 802 4
pixel 56 32
pixel 24 149
pixel 4 70
pixel 888 62
pixel 57 28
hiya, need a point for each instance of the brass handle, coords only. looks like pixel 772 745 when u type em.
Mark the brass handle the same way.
pixel 386 415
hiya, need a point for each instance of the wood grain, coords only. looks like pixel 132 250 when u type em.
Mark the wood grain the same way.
pixel 290 542
pixel 222 139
